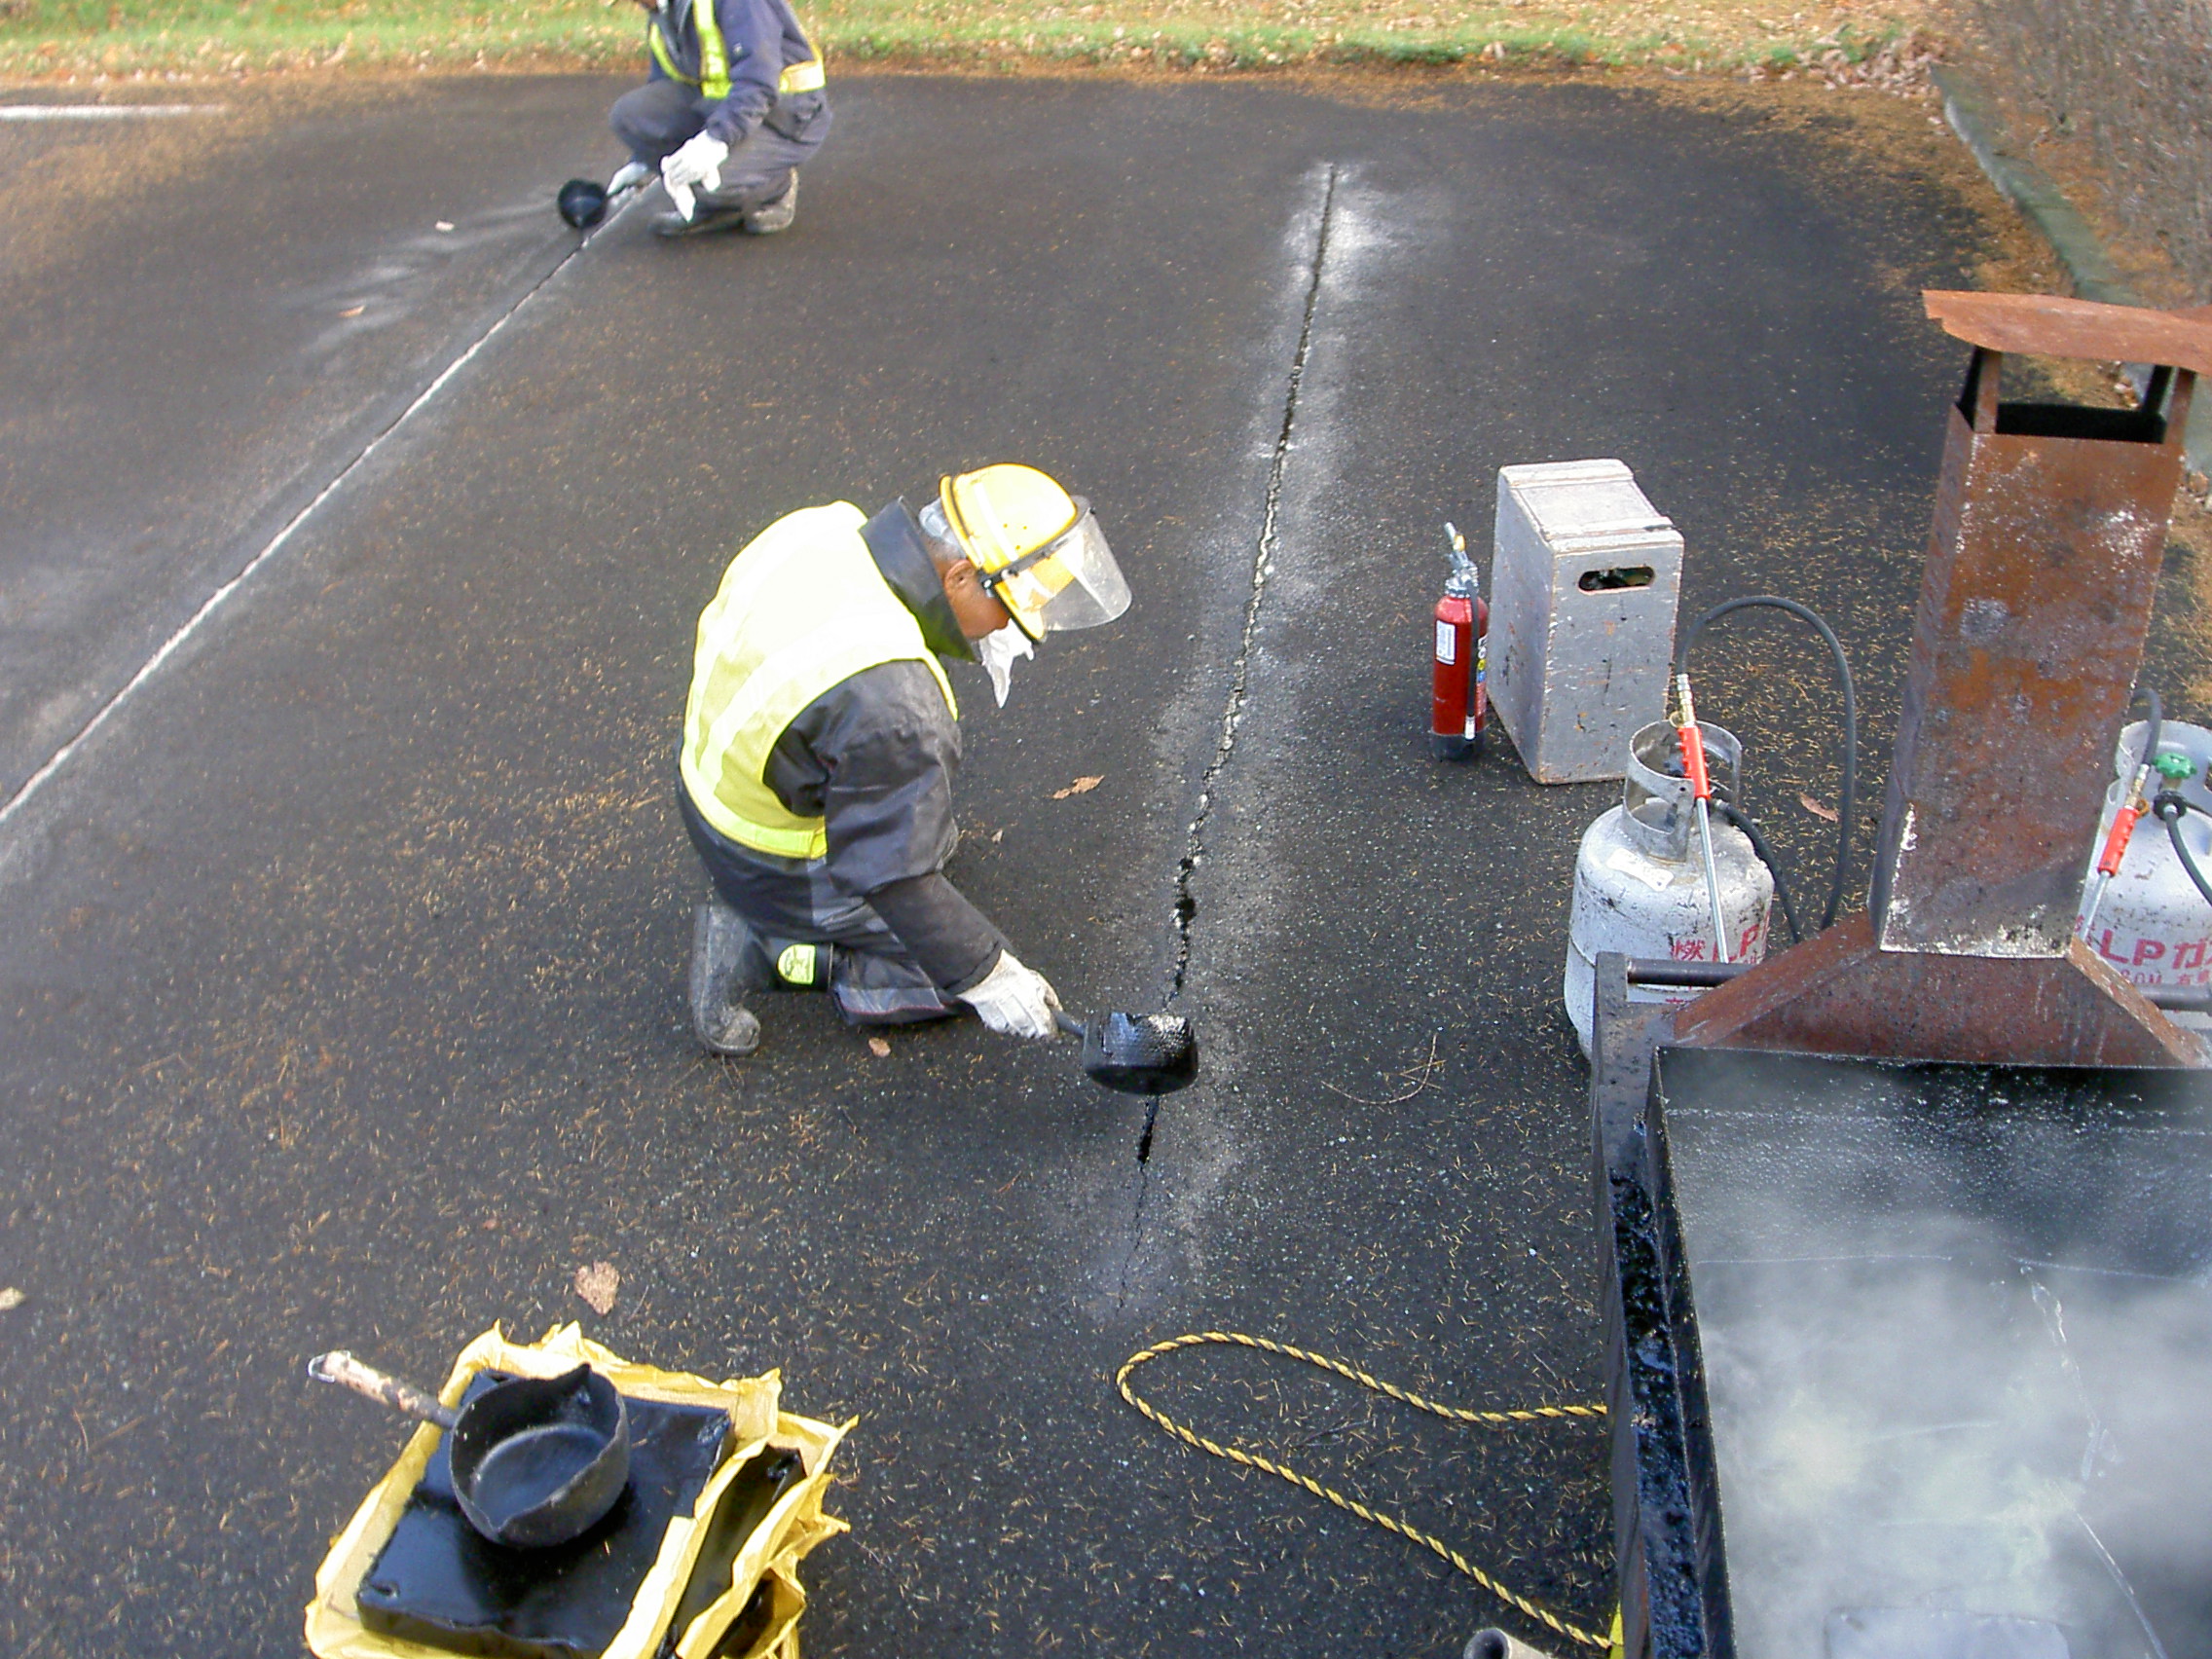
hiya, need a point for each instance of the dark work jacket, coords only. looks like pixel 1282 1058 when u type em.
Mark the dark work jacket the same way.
pixel 873 756
pixel 762 38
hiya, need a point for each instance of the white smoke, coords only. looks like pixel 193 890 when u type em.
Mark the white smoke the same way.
pixel 1920 1405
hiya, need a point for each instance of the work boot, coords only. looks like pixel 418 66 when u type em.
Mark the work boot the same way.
pixel 707 221
pixel 770 217
pixel 720 1018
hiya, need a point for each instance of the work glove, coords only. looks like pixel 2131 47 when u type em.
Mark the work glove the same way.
pixel 628 175
pixel 1013 999
pixel 697 166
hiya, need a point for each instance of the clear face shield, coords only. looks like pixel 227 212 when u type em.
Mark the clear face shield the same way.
pixel 1070 582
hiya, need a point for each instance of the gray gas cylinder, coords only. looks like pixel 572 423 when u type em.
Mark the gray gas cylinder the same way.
pixel 1640 882
pixel 2152 926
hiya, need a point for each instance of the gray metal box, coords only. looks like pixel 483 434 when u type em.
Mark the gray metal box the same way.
pixel 1584 577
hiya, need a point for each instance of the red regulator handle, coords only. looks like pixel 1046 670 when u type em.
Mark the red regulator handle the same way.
pixel 1693 762
pixel 2123 823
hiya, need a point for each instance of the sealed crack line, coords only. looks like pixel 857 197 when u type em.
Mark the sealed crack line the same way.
pixel 215 601
pixel 1262 560
pixel 1186 908
pixel 1233 713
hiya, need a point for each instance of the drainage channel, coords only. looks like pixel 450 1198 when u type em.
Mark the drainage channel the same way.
pixel 1186 908
pixel 60 758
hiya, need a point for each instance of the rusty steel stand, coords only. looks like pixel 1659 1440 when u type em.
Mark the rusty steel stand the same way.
pixel 2042 568
pixel 2042 564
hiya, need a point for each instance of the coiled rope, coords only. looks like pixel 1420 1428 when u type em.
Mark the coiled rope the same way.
pixel 1306 1483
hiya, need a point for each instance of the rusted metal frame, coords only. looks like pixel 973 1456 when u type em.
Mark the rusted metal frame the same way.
pixel 2033 616
pixel 1838 994
pixel 2034 608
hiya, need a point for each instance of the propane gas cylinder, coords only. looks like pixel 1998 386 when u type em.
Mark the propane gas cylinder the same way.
pixel 1458 705
pixel 1640 882
pixel 2152 926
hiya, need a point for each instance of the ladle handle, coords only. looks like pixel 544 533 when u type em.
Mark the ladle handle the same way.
pixel 342 1367
pixel 1067 1023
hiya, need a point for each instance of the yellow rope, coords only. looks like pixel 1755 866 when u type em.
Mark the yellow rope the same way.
pixel 1388 1523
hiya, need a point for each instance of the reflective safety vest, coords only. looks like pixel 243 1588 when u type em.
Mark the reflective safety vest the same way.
pixel 801 609
pixel 713 78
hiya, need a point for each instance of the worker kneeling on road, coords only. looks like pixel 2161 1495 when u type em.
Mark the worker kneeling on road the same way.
pixel 734 106
pixel 821 738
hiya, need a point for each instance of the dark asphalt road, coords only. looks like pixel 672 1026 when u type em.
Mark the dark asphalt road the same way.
pixel 340 968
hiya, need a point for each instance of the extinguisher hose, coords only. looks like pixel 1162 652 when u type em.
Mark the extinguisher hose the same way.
pixel 2171 808
pixel 1742 819
pixel 1848 796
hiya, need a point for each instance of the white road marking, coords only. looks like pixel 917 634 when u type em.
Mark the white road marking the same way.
pixel 61 756
pixel 102 112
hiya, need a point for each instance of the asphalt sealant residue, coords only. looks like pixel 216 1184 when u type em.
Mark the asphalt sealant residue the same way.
pixel 1262 559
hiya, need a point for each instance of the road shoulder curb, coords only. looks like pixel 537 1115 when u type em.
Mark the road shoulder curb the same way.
pixel 1972 114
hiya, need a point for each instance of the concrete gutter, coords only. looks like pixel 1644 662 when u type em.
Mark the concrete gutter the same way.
pixel 1972 114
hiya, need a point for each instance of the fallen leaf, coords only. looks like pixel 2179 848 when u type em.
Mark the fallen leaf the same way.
pixel 11 1299
pixel 1816 808
pixel 353 310
pixel 880 1048
pixel 1082 786
pixel 597 1285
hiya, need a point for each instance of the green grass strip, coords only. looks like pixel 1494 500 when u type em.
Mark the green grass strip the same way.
pixel 160 39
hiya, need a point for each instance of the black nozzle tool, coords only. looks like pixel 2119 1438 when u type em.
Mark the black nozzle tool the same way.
pixel 583 203
pixel 1137 1054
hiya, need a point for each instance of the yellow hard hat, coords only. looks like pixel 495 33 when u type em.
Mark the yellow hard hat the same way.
pixel 1036 547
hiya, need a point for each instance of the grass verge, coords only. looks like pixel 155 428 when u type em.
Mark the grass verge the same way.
pixel 1848 41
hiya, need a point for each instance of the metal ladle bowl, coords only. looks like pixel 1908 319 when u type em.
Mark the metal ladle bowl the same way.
pixel 536 1460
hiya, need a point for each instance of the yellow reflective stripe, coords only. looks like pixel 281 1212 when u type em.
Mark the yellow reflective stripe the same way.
pixel 806 845
pixel 801 609
pixel 713 56
pixel 796 838
pixel 736 601
pixel 798 674
pixel 713 60
pixel 658 46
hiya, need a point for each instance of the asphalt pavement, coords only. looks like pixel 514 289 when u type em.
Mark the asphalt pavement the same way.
pixel 341 957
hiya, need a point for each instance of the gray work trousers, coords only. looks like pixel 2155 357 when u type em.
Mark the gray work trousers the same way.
pixel 657 119
pixel 873 980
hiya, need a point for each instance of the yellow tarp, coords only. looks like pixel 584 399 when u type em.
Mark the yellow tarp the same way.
pixel 793 1527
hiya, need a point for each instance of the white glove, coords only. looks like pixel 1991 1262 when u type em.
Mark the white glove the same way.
pixel 1013 999
pixel 697 164
pixel 627 176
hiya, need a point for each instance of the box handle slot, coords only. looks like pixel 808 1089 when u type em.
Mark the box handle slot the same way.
pixel 1613 579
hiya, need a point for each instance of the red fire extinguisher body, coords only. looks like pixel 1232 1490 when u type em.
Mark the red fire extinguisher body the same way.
pixel 1458 708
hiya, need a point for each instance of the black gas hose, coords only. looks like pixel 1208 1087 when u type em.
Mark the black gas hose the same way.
pixel 1742 819
pixel 1850 791
pixel 2144 694
pixel 2169 809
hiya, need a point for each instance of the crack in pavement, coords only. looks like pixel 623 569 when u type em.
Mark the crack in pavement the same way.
pixel 1186 908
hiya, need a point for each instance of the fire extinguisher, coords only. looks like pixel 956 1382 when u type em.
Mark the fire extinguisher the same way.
pixel 1458 708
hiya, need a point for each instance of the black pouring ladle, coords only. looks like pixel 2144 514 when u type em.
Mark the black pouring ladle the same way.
pixel 582 202
pixel 1136 1054
pixel 536 1460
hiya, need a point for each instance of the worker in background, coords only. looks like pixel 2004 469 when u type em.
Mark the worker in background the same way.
pixel 733 107
pixel 821 736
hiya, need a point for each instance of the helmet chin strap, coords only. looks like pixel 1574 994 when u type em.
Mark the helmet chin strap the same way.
pixel 998 653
